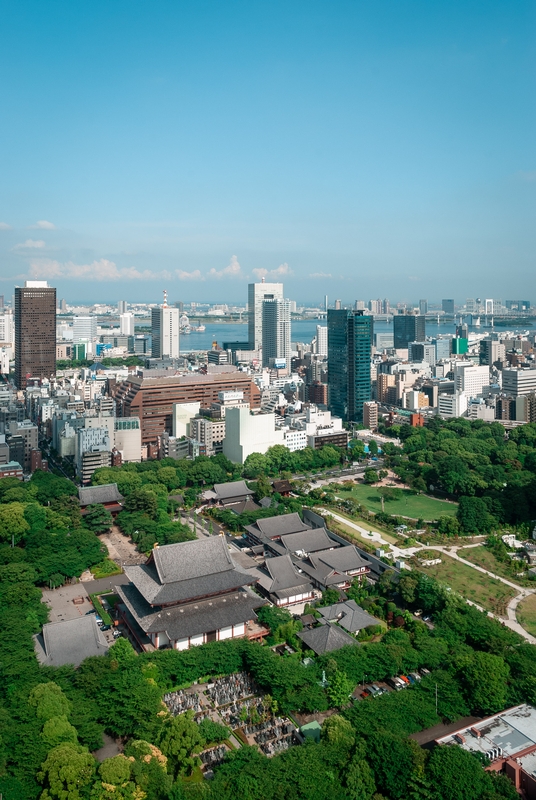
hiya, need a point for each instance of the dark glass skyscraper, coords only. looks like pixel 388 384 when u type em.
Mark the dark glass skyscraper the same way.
pixel 408 328
pixel 35 332
pixel 349 353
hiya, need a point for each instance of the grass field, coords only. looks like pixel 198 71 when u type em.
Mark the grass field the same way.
pixel 409 504
pixel 471 584
pixel 485 558
pixel 367 526
pixel 526 614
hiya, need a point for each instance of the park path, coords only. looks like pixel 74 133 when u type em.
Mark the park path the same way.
pixel 510 621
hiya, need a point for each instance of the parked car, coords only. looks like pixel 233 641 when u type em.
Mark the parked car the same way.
pixel 91 611
pixel 105 627
pixel 117 634
pixel 414 675
pixel 425 671
pixel 395 683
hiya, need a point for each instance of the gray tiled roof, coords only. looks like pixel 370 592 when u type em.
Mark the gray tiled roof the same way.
pixel 281 525
pixel 325 639
pixel 348 615
pixel 344 559
pixel 310 541
pixel 235 489
pixel 191 619
pixel 70 642
pixel 186 560
pixel 107 493
pixel 145 579
pixel 282 579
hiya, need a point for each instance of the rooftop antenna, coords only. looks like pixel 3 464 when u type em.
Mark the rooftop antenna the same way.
pixel 165 298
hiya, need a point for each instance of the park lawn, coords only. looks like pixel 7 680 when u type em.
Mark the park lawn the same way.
pixel 485 558
pixel 409 505
pixel 486 592
pixel 526 614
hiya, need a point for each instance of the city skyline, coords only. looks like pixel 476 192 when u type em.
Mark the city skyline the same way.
pixel 322 146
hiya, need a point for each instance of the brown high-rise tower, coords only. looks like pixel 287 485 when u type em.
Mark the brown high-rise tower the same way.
pixel 35 332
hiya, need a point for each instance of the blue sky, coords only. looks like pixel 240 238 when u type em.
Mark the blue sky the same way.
pixel 358 149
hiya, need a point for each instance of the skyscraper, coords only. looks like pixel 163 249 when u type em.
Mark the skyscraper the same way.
pixel 448 306
pixel 423 307
pixel 126 323
pixel 349 354
pixel 165 330
pixel 122 306
pixel 257 293
pixel 321 340
pixel 408 328
pixel 275 331
pixel 35 332
pixel 84 329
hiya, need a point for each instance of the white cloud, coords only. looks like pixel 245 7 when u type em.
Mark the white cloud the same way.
pixel 281 271
pixel 43 225
pixel 232 270
pixel 320 275
pixel 195 275
pixel 5 227
pixel 30 244
pixel 101 270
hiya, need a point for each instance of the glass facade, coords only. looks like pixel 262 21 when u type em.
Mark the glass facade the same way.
pixel 349 355
pixel 408 328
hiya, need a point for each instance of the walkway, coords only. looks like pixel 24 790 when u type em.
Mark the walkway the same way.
pixel 510 621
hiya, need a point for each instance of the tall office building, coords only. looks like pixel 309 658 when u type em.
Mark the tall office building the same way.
pixel 447 306
pixel 349 362
pixel 122 306
pixel 423 307
pixel 165 331
pixel 408 328
pixel 126 324
pixel 7 328
pixel 275 332
pixel 35 332
pixel 84 329
pixel 321 340
pixel 257 293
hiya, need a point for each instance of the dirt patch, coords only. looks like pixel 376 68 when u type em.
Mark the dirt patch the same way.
pixel 120 548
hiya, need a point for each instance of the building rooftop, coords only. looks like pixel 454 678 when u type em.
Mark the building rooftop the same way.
pixel 513 731
pixel 70 642
pixel 106 493
pixel 274 527
pixel 308 541
pixel 233 490
pixel 349 616
pixel 326 638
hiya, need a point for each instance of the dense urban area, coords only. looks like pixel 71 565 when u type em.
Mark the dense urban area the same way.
pixel 265 567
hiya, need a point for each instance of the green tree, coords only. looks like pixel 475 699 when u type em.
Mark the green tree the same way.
pixel 407 586
pixel 338 731
pixel 97 518
pixel 457 775
pixel 179 739
pixel 339 688
pixel 371 475
pixel 12 522
pixel 115 770
pixel 360 780
pixel 255 464
pixel 486 676
pixel 142 500
pixel 373 447
pixel 57 730
pixel 49 701
pixel 67 772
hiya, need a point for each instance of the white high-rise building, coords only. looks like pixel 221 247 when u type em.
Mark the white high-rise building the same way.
pixel 257 293
pixel 122 306
pixel 126 324
pixel 7 328
pixel 322 340
pixel 276 334
pixel 84 329
pixel 165 331
pixel 470 379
